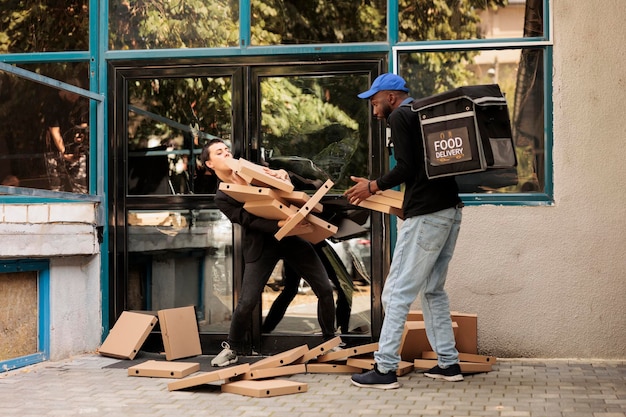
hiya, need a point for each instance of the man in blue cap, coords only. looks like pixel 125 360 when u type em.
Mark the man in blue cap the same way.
pixel 425 244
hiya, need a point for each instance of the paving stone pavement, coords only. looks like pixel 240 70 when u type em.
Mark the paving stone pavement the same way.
pixel 84 386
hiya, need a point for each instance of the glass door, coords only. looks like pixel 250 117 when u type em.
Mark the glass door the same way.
pixel 171 247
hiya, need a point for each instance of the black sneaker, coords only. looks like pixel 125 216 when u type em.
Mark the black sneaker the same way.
pixel 376 379
pixel 452 373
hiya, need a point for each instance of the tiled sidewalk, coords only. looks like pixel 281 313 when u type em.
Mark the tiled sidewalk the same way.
pixel 84 386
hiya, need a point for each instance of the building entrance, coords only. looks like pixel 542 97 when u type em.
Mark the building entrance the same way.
pixel 170 245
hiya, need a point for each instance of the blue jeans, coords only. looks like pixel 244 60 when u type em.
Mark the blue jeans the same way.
pixel 420 265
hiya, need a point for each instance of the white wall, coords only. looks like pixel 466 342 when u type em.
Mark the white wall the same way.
pixel 551 281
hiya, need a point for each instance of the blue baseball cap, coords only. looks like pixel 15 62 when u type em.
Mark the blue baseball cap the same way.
pixel 384 82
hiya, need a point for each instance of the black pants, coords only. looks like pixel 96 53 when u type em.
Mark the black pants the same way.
pixel 290 290
pixel 299 255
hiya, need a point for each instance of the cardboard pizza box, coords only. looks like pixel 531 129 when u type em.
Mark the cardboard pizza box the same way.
pixel 464 357
pixel 304 211
pixel 321 229
pixel 129 332
pixel 383 208
pixel 466 334
pixel 331 368
pixel 246 193
pixel 164 369
pixel 280 359
pixel 265 388
pixel 179 330
pixel 298 198
pixel 261 178
pixel 269 209
pixel 414 340
pixel 382 199
pixel 348 352
pixel 320 349
pixel 204 378
pixel 266 373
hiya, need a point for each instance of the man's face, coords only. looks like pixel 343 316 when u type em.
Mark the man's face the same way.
pixel 217 153
pixel 382 104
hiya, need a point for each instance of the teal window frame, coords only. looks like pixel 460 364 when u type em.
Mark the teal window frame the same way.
pixel 42 267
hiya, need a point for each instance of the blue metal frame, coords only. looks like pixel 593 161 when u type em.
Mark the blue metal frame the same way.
pixel 43 294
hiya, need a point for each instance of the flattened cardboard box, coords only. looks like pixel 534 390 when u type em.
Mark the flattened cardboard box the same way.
pixel 266 388
pixel 348 352
pixel 320 349
pixel 368 363
pixel 164 369
pixel 464 357
pixel 280 359
pixel 274 372
pixel 179 330
pixel 208 377
pixel 127 335
pixel 331 368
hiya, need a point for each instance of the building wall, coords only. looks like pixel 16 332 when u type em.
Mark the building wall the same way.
pixel 550 282
pixel 66 234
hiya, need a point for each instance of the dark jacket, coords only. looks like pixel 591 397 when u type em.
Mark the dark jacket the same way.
pixel 258 233
pixel 421 196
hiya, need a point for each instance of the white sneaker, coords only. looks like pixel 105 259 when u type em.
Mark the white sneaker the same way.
pixel 226 357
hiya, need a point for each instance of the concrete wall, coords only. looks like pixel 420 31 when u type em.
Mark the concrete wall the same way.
pixel 551 281
pixel 66 234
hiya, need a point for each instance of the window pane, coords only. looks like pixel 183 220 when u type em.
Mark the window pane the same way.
pixel 315 126
pixel 324 21
pixel 157 24
pixel 169 121
pixel 44 26
pixel 469 19
pixel 44 135
pixel 519 73
pixel 178 258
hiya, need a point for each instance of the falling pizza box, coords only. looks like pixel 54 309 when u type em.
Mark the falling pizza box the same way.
pixel 404 367
pixel 466 367
pixel 261 178
pixel 304 211
pixel 348 352
pixel 321 230
pixel 320 349
pixel 204 378
pixel 269 209
pixel 235 165
pixel 164 369
pixel 247 193
pixel 464 357
pixel 266 373
pixel 331 368
pixel 383 208
pixel 265 388
pixel 127 335
pixel 414 340
pixel 298 198
pixel 281 359
pixel 179 329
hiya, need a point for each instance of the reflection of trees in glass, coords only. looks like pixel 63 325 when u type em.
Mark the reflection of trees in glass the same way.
pixel 43 26
pixel 139 24
pixel 321 21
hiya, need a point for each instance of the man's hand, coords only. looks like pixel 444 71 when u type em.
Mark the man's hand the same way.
pixel 361 190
